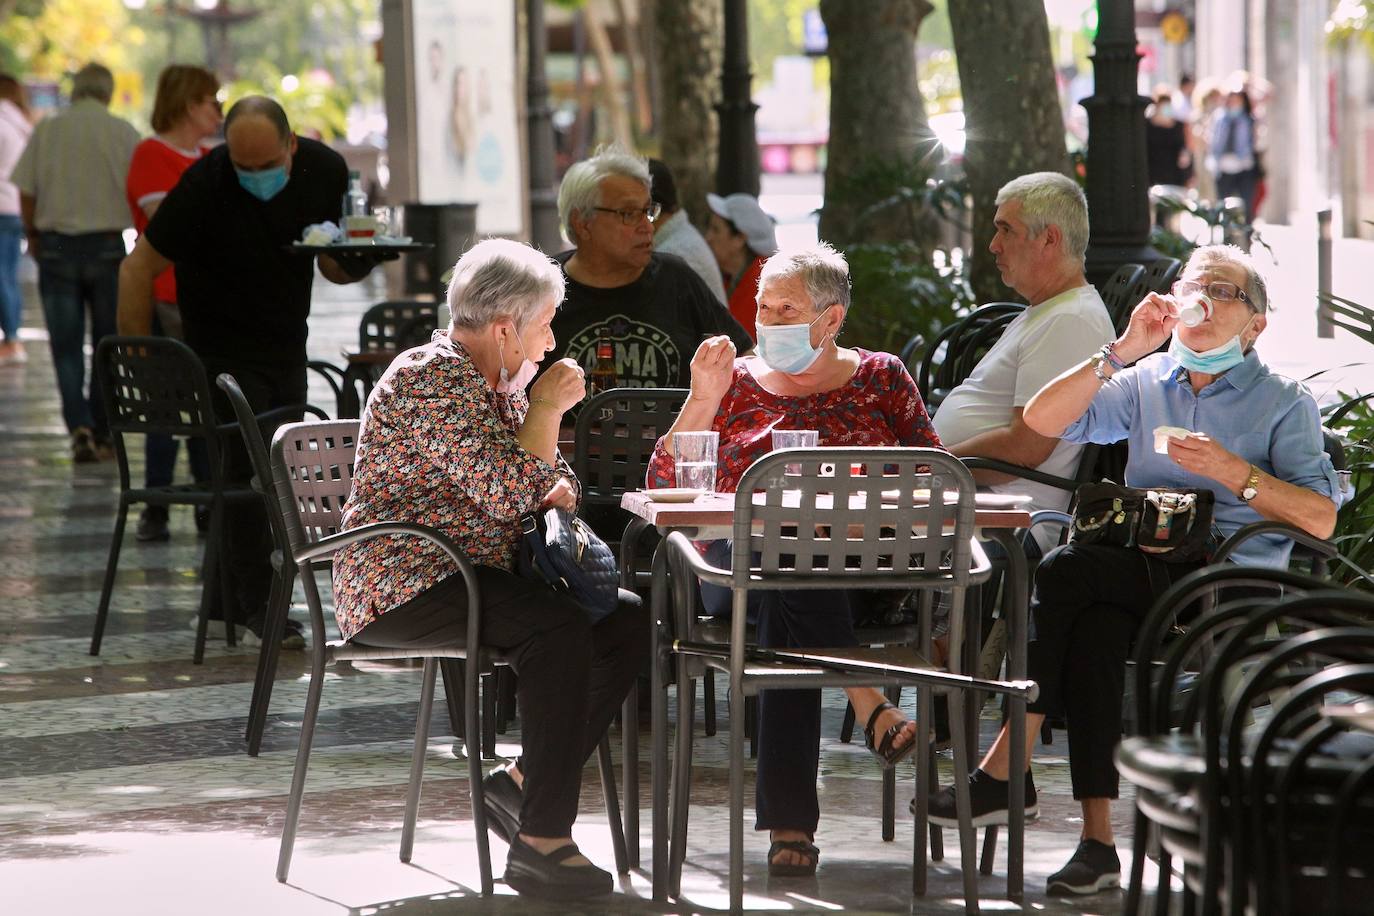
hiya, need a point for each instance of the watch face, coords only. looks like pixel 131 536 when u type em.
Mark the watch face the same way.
pixel 1249 493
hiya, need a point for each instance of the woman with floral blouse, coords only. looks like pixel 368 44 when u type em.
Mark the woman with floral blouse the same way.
pixel 799 379
pixel 450 439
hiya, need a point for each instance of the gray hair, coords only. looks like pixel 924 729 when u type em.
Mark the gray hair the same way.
pixel 1051 199
pixel 501 278
pixel 822 270
pixel 93 81
pixel 1255 287
pixel 580 191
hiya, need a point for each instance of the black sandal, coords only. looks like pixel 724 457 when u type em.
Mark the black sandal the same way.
pixel 882 747
pixel 790 869
pixel 532 873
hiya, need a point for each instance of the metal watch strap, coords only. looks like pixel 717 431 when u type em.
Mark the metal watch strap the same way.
pixel 1251 488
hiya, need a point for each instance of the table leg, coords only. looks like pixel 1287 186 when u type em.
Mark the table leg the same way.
pixel 658 598
pixel 1015 606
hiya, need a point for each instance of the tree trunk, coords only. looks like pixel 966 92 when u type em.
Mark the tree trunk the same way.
pixel 689 43
pixel 600 40
pixel 639 79
pixel 876 114
pixel 1011 110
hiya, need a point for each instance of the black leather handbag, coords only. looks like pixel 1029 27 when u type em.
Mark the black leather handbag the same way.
pixel 561 550
pixel 1173 525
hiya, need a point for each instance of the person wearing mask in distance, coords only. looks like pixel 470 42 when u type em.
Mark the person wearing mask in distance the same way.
pixel 450 439
pixel 1255 442
pixel 244 296
pixel 799 379
pixel 741 237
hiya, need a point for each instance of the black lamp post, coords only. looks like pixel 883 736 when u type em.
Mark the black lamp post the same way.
pixel 1118 179
pixel 737 167
pixel 544 229
pixel 215 21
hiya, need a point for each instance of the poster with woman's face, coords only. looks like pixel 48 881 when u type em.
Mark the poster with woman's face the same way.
pixel 466 132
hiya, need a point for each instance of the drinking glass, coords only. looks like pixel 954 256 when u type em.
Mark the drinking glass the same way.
pixel 794 438
pixel 694 455
pixel 386 222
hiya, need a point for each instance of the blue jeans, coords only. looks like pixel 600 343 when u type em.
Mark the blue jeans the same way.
pixel 76 272
pixel 11 303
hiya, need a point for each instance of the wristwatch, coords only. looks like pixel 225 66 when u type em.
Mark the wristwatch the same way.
pixel 1251 488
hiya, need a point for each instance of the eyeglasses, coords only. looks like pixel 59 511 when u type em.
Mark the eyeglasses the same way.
pixel 631 215
pixel 1218 290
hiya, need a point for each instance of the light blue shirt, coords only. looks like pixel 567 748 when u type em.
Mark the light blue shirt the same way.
pixel 1268 420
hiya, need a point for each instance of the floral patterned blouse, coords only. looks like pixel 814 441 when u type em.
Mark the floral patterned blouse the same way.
pixel 438 447
pixel 878 406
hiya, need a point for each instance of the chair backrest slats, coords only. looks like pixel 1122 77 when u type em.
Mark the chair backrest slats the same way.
pixel 397 325
pixel 853 517
pixel 313 465
pixel 154 385
pixel 615 436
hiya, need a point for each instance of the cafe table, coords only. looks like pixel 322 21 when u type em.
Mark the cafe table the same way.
pixel 997 517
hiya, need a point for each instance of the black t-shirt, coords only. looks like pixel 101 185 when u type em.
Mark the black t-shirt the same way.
pixel 656 323
pixel 242 294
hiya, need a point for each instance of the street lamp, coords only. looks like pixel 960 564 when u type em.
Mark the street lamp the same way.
pixel 737 168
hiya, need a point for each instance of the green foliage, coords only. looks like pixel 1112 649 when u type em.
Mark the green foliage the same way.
pixel 1354 536
pixel 1351 20
pixel 898 292
pixel 315 106
pixel 1170 243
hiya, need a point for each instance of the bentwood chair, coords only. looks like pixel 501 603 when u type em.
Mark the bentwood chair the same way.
pixel 1122 292
pixel 898 518
pixel 312 465
pixel 157 385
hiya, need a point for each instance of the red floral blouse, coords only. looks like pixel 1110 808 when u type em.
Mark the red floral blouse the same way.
pixel 437 447
pixel 878 406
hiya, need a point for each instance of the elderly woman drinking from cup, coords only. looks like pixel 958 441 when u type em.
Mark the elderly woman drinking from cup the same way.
pixel 800 380
pixel 450 439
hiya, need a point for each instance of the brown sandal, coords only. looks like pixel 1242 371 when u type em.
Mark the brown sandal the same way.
pixel 791 869
pixel 882 747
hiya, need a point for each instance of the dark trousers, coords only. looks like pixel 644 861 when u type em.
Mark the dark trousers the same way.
pixel 248 538
pixel 573 675
pixel 1087 607
pixel 789 721
pixel 1242 185
pixel 76 273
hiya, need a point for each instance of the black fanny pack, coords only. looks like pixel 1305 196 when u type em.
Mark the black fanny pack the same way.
pixel 1173 525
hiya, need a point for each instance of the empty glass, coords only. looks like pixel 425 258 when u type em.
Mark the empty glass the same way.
pixel 694 456
pixel 794 438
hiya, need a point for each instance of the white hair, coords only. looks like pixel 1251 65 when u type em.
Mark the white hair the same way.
pixel 1255 287
pixel 500 278
pixel 822 270
pixel 1051 199
pixel 580 191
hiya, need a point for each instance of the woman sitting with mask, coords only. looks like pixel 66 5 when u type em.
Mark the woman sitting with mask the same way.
pixel 800 379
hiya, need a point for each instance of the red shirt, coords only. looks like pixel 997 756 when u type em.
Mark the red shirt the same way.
pixel 744 297
pixel 155 170
pixel 878 406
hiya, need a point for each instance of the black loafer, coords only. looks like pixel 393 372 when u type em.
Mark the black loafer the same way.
pixel 533 874
pixel 502 799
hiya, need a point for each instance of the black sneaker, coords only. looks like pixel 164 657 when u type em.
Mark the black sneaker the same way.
pixel 152 525
pixel 83 446
pixel 987 797
pixel 292 635
pixel 1094 867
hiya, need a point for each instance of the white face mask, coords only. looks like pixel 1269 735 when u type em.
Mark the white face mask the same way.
pixel 508 384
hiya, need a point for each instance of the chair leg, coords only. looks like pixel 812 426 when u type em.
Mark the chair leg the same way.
pixel 989 850
pixel 682 780
pixel 417 758
pixel 737 701
pixel 472 730
pixel 102 612
pixel 212 586
pixel 293 801
pixel 488 716
pixel 452 671
pixel 629 746
pixel 708 702
pixel 505 699
pixel 278 606
pixel 889 825
pixel 968 839
pixel 847 726
pixel 607 768
pixel 1138 851
pixel 751 723
pixel 1164 888
pixel 937 835
pixel 925 776
pixel 226 590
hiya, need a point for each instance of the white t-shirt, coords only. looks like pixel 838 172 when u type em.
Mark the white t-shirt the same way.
pixel 1036 346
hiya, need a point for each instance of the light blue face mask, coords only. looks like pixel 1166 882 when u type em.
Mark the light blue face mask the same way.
pixel 1212 362
pixel 786 348
pixel 263 185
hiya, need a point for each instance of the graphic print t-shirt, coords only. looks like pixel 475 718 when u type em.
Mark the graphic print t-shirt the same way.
pixel 655 323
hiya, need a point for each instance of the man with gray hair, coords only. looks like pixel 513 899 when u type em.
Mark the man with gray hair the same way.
pixel 71 201
pixel 1042 233
pixel 653 307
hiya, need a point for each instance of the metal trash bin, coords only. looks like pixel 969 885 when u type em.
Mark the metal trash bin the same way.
pixel 451 229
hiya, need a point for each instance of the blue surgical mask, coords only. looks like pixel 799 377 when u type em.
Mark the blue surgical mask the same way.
pixel 1212 362
pixel 263 185
pixel 787 348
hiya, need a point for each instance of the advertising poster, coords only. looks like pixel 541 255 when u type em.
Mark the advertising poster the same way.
pixel 466 131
